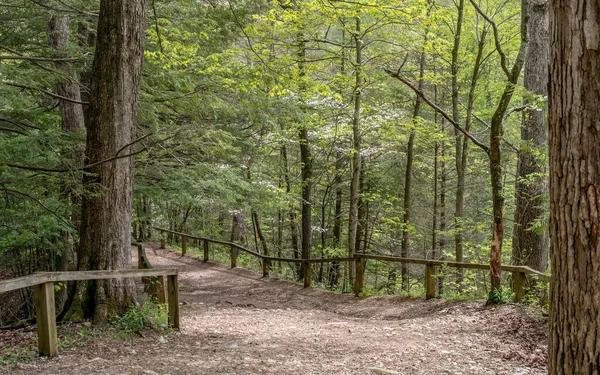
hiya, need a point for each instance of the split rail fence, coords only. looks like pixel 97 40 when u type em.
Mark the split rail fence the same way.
pixel 519 273
pixel 43 289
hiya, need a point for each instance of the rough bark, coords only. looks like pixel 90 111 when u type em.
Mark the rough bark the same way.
pixel 574 147
pixel 530 247
pixel 106 215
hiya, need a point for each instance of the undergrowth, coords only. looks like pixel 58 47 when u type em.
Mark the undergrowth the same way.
pixel 148 315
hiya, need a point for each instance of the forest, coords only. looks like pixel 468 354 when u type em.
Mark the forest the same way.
pixel 457 131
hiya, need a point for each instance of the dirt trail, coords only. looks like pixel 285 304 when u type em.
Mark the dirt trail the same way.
pixel 235 322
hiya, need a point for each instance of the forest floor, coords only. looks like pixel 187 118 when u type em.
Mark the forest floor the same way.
pixel 233 321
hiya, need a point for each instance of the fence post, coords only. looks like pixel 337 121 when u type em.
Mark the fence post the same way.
pixel 205 251
pixel 518 285
pixel 157 289
pixel 46 319
pixel 141 263
pixel 173 301
pixel 162 242
pixel 429 281
pixel 183 245
pixel 359 277
pixel 233 256
pixel 307 274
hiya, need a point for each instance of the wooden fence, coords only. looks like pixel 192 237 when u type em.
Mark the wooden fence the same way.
pixel 43 288
pixel 518 272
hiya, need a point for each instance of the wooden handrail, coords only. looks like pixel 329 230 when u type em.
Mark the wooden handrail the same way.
pixel 46 277
pixel 240 247
pixel 43 287
pixel 519 272
pixel 432 262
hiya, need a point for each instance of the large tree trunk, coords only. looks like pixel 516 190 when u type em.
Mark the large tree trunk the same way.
pixel 574 138
pixel 530 247
pixel 106 214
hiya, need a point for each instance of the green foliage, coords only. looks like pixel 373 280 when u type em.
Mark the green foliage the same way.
pixel 500 296
pixel 147 315
pixel 10 358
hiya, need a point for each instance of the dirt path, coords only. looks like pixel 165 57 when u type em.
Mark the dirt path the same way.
pixel 235 322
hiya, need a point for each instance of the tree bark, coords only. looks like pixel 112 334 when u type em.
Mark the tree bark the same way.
pixel 356 141
pixel 530 247
pixel 495 153
pixel 72 122
pixel 574 139
pixel 292 209
pixel 408 171
pixel 106 214
pixel 460 191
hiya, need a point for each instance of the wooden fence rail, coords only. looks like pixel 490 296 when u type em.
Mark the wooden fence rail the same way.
pixel 43 287
pixel 518 272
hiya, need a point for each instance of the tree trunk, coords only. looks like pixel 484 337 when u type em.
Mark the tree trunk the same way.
pixel 72 122
pixel 259 233
pixel 442 236
pixel 495 156
pixel 530 247
pixel 106 215
pixel 574 139
pixel 356 138
pixel 292 209
pixel 464 157
pixel 408 172
pixel 360 218
pixel 334 271
pixel 460 178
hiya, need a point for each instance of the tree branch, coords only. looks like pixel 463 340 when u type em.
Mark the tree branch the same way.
pixel 38 58
pixel 16 192
pixel 486 124
pixel 116 157
pixel 396 75
pixel 2 128
pixel 46 92
pixel 503 61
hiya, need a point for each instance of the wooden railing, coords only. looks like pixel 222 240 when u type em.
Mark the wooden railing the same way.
pixel 43 288
pixel 519 273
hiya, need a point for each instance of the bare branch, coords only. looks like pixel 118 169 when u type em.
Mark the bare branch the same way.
pixel 481 145
pixel 503 61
